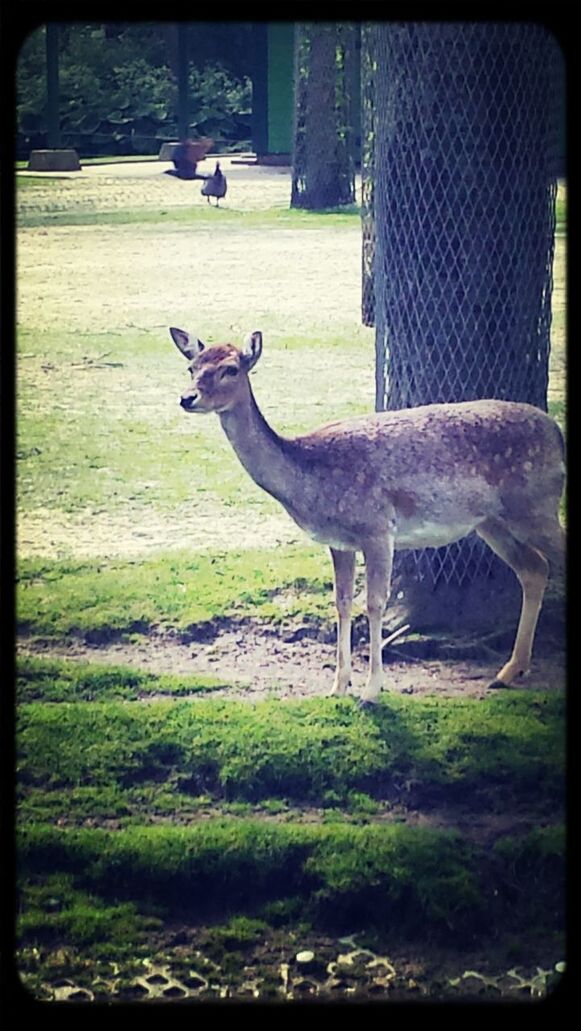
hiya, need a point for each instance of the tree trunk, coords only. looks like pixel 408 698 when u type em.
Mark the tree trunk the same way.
pixel 52 85
pixel 323 166
pixel 464 203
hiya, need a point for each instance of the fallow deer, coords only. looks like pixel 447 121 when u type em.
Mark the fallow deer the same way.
pixel 416 478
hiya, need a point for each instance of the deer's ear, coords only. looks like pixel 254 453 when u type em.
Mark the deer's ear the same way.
pixel 188 344
pixel 252 349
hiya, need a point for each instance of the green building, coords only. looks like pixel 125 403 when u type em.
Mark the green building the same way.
pixel 272 93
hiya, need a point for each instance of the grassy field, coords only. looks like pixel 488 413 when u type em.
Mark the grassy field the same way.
pixel 159 820
pixel 222 837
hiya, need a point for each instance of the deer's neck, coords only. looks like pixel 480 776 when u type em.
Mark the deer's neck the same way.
pixel 261 451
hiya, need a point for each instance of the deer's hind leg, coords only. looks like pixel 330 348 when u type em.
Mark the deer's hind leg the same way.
pixel 532 569
pixel 551 540
pixel 378 565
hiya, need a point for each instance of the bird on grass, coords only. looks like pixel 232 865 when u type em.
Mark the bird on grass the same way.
pixel 215 185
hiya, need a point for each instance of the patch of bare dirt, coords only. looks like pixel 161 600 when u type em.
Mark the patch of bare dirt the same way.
pixel 256 664
pixel 475 822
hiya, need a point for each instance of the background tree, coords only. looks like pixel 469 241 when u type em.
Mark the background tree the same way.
pixel 323 173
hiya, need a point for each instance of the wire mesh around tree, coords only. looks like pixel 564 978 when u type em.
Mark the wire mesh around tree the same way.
pixel 460 156
pixel 323 167
pixel 368 70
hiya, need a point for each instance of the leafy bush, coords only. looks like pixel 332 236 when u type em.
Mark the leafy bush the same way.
pixel 220 105
pixel 118 89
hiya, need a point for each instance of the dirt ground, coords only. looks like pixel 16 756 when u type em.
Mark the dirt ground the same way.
pixel 145 184
pixel 259 662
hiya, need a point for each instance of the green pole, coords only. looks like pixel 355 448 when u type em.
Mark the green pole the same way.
pixel 52 84
pixel 183 105
pixel 260 88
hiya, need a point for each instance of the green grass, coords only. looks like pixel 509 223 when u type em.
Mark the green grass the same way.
pixel 422 880
pixel 81 445
pixel 558 411
pixel 52 680
pixel 31 216
pixel 53 909
pixel 162 802
pixel 280 218
pixel 333 865
pixel 561 214
pixel 179 590
pixel 122 805
pixel 320 750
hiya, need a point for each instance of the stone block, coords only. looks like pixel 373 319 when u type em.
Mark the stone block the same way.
pixel 54 161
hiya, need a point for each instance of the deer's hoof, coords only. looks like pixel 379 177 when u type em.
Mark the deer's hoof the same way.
pixel 508 681
pixel 339 689
pixel 496 684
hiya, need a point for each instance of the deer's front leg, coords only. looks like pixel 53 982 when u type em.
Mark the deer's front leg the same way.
pixel 378 565
pixel 344 569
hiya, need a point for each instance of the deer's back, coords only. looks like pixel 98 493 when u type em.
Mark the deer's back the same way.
pixel 502 437
pixel 440 468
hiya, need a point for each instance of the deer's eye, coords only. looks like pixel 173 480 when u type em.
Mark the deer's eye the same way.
pixel 230 370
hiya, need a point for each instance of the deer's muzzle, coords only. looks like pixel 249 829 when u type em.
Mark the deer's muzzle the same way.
pixel 188 402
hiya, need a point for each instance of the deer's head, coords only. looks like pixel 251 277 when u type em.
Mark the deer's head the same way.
pixel 219 371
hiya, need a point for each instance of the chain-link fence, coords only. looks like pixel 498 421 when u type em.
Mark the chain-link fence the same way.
pixel 460 148
pixel 323 167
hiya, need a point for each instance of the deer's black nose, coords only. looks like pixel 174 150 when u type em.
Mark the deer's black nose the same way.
pixel 188 402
